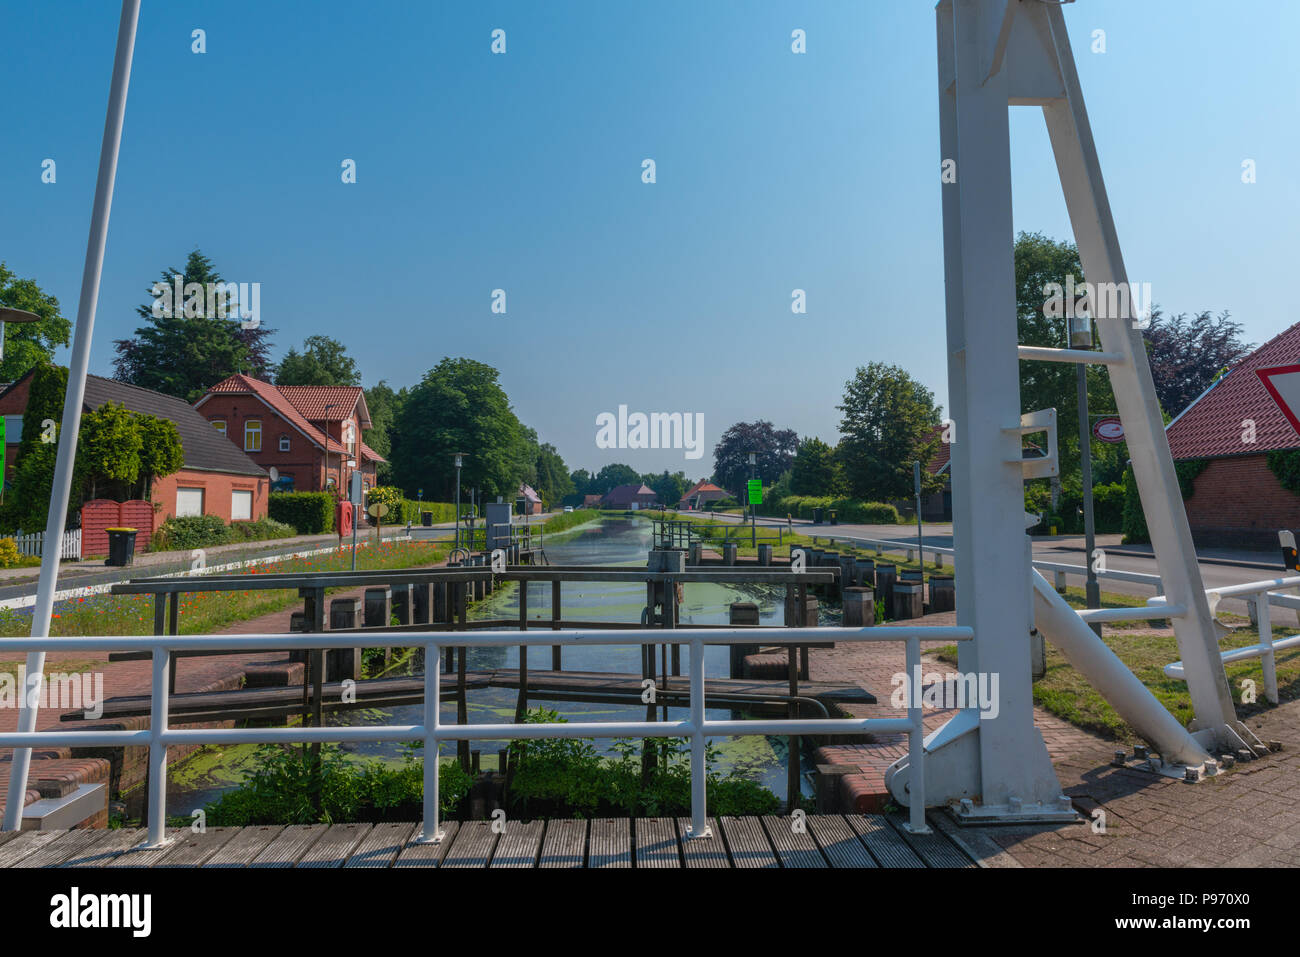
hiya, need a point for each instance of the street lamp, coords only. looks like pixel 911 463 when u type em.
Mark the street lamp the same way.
pixel 1079 327
pixel 460 460
pixel 16 316
pixel 753 528
pixel 328 437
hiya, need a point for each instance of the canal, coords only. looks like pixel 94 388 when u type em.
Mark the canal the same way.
pixel 613 542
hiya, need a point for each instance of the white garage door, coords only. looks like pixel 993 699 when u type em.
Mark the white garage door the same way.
pixel 189 501
pixel 241 506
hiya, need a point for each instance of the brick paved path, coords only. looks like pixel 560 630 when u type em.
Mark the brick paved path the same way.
pixel 1240 818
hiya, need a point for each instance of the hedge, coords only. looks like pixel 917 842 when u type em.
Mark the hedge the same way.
pixel 402 510
pixel 1135 520
pixel 846 509
pixel 204 531
pixel 311 513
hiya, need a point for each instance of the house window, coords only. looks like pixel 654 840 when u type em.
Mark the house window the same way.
pixel 253 435
pixel 284 443
pixel 13 429
pixel 189 501
pixel 219 425
pixel 241 506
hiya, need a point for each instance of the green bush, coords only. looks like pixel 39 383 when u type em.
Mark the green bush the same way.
pixel 261 530
pixel 1135 521
pixel 205 531
pixel 567 777
pixel 846 509
pixel 1285 464
pixel 192 531
pixel 311 513
pixel 402 510
pixel 286 788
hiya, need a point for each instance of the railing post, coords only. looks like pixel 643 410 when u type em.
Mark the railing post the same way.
pixel 915 743
pixel 430 832
pixel 1264 614
pixel 699 777
pixel 158 750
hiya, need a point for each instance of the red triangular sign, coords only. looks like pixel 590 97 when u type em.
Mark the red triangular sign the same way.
pixel 1283 384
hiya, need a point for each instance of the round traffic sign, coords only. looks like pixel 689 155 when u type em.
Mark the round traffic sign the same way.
pixel 378 509
pixel 1108 429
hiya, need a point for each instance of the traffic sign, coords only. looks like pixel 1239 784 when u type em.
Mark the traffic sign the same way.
pixel 1108 429
pixel 1283 384
pixel 755 491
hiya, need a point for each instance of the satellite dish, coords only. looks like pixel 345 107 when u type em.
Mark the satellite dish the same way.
pixel 275 474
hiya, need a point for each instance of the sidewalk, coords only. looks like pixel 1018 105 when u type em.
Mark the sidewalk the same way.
pixel 1240 818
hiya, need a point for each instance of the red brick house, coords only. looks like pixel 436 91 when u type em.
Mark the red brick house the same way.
pixel 310 435
pixel 630 497
pixel 699 495
pixel 216 479
pixel 1236 499
pixel 530 501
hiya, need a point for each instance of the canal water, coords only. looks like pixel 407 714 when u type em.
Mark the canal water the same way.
pixel 612 542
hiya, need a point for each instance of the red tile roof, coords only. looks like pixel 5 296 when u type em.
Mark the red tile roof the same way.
pixel 289 402
pixel 1212 425
pixel 702 487
pixel 942 455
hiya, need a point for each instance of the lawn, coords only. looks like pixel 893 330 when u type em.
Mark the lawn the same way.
pixel 1067 694
pixel 207 612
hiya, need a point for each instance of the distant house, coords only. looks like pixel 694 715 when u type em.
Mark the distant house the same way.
pixel 532 502
pixel 700 495
pixel 216 479
pixel 591 501
pixel 937 506
pixel 310 435
pixel 630 497
pixel 1236 499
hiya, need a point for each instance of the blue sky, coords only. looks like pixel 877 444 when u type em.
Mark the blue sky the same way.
pixel 522 171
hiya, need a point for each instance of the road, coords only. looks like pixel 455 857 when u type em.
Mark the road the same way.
pixel 1219 567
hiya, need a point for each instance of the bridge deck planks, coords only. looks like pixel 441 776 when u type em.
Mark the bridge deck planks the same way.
pixel 241 849
pixel 610 843
pixel 335 846
pixel 748 843
pixel 519 845
pixel 656 843
pixel 290 845
pixel 415 854
pixel 829 840
pixel 381 847
pixel 839 842
pixel 565 844
pixel 107 847
pixel 935 849
pixel 883 841
pixel 703 852
pixel 795 847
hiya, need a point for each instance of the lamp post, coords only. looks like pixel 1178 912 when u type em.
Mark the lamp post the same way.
pixel 1080 330
pixel 460 458
pixel 753 528
pixel 328 437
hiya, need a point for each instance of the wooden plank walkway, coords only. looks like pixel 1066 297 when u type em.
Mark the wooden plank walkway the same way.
pixel 811 841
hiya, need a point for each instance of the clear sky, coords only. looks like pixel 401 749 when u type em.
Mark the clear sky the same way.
pixel 523 172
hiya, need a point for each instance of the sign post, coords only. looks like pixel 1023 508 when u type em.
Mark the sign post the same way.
pixel 354 496
pixel 916 486
pixel 755 487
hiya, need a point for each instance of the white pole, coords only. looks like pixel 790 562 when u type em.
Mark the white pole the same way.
pixel 61 492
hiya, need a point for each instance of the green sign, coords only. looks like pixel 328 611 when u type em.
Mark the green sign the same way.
pixel 755 491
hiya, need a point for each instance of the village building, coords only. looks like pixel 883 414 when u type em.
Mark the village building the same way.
pixel 216 478
pixel 701 495
pixel 1225 436
pixel 630 497
pixel 307 436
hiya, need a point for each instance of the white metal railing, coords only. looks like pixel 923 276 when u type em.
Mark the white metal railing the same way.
pixel 1266 647
pixel 433 732
pixel 34 544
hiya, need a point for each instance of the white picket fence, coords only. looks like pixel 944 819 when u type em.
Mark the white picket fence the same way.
pixel 34 544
